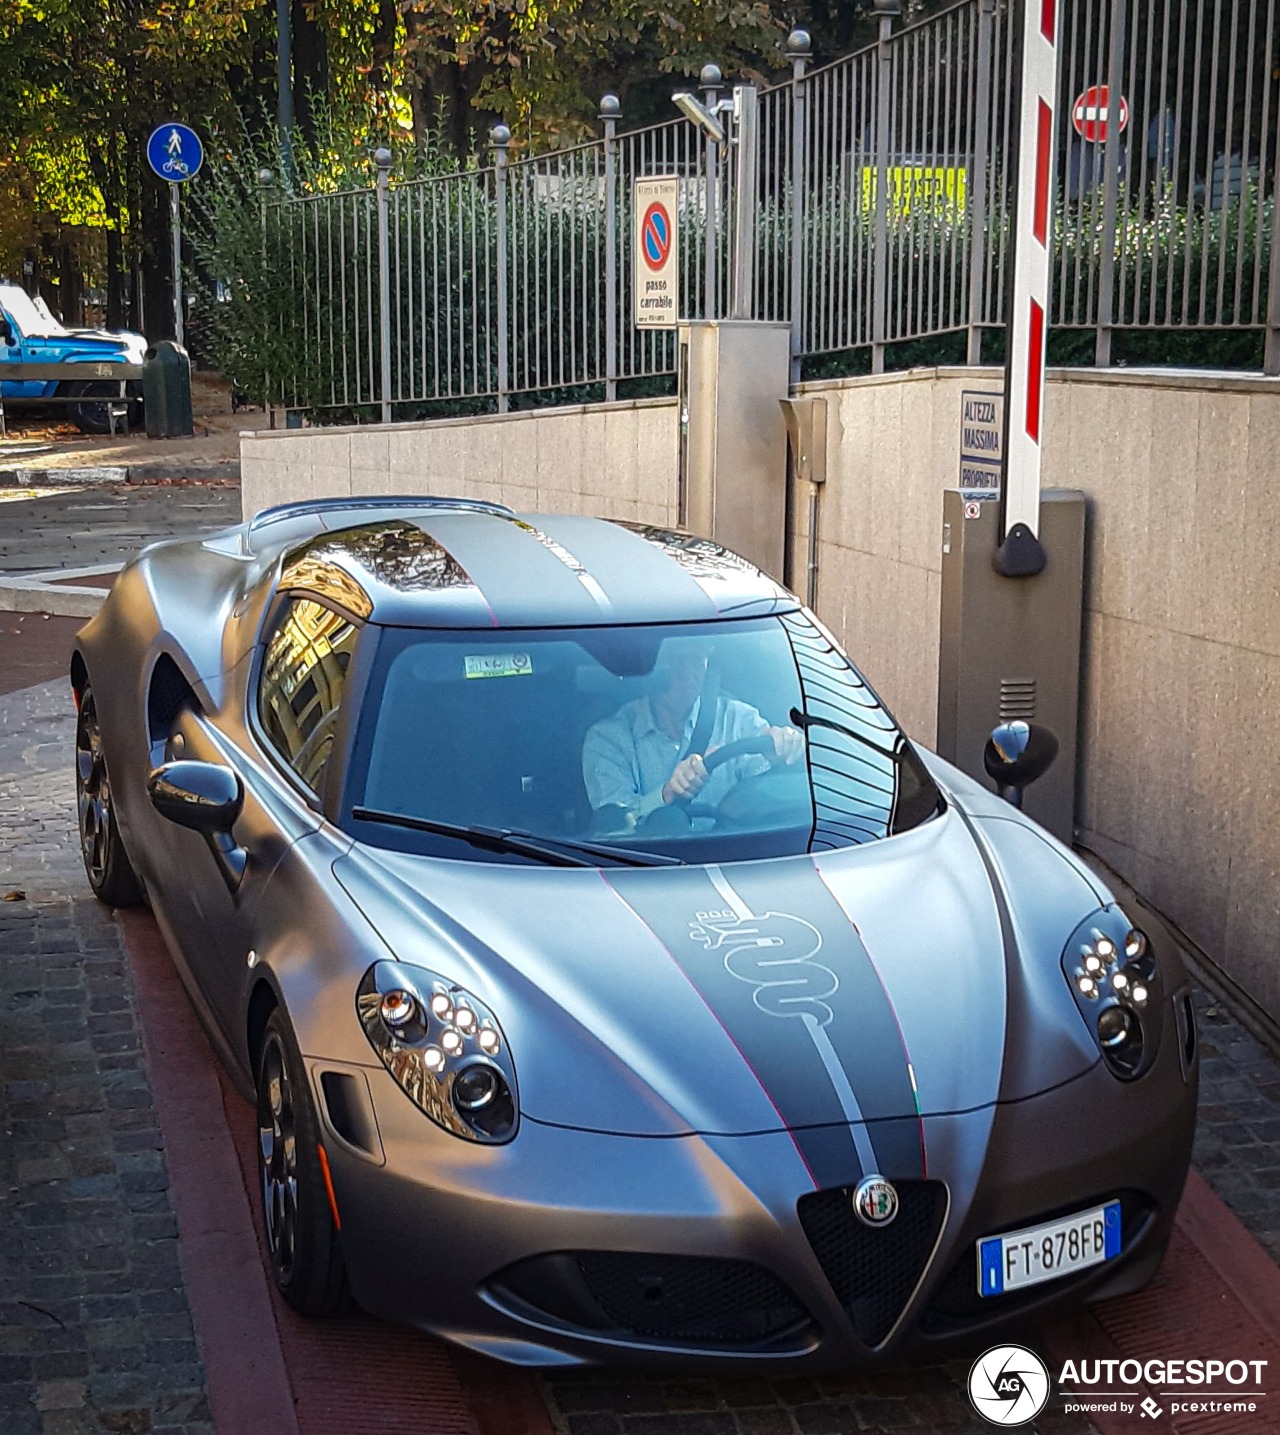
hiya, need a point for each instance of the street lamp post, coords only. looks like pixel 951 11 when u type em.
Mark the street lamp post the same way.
pixel 284 81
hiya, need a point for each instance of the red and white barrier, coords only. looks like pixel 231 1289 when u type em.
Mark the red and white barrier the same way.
pixel 1033 248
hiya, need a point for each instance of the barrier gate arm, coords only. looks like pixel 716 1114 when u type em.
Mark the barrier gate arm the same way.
pixel 1020 553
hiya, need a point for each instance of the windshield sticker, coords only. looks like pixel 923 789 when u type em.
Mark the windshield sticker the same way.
pixel 498 665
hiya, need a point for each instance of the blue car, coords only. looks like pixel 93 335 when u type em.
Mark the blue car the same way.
pixel 29 334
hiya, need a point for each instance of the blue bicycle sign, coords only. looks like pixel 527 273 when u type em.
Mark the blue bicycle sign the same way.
pixel 175 153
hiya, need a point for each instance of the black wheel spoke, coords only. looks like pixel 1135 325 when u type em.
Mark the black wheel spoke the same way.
pixel 305 1257
pixel 93 794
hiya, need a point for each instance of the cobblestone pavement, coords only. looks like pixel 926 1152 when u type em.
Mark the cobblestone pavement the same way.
pixel 95 1329
pixel 1237 1146
pixel 88 527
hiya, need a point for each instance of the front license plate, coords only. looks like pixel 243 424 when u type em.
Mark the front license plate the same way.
pixel 1043 1253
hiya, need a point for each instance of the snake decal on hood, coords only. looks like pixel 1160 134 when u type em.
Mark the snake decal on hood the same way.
pixel 800 998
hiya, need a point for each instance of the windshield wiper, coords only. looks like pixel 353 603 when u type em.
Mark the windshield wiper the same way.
pixel 557 851
pixel 806 720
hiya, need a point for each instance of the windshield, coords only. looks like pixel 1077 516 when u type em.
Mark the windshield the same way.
pixel 700 742
pixel 22 310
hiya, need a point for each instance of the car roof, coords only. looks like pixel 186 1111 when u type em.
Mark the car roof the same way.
pixel 459 564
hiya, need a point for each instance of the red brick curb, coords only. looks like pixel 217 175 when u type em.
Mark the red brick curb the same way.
pixel 249 1389
pixel 268 1369
pixel 1216 1297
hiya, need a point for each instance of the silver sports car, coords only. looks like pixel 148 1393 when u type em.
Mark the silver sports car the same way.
pixel 614 980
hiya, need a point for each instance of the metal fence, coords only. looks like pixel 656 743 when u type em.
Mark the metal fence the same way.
pixel 874 209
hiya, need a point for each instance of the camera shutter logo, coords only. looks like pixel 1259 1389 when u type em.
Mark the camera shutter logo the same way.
pixel 1009 1385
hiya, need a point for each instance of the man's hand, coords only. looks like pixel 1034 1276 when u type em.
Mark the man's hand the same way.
pixel 688 779
pixel 788 745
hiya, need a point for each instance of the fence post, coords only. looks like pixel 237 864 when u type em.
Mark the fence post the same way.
pixel 886 9
pixel 983 102
pixel 382 158
pixel 800 48
pixel 265 180
pixel 709 83
pixel 1111 194
pixel 610 113
pixel 1271 361
pixel 500 138
pixel 746 178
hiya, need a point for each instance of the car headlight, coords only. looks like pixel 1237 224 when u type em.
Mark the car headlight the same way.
pixel 444 1047
pixel 1115 979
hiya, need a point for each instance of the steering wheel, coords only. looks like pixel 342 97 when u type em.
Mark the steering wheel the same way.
pixel 677 816
pixel 754 797
pixel 744 747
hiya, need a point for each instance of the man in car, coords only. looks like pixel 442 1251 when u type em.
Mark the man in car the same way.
pixel 640 760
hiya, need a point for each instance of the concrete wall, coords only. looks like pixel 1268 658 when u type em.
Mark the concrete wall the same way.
pixel 613 460
pixel 1180 781
pixel 1181 707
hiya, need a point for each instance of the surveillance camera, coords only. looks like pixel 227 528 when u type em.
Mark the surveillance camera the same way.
pixel 692 108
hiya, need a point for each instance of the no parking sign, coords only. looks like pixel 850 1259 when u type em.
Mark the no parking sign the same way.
pixel 656 261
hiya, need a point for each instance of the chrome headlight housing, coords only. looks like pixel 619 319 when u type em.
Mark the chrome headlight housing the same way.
pixel 444 1047
pixel 1112 970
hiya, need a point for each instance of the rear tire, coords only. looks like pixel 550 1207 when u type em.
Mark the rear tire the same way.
pixel 92 417
pixel 106 863
pixel 302 1241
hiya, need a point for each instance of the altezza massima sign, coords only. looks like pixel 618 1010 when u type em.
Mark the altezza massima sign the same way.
pixel 656 260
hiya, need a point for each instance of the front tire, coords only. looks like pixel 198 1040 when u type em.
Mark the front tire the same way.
pixel 302 1241
pixel 106 863
pixel 91 418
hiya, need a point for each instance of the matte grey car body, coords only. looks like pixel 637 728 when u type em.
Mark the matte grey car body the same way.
pixel 705 1058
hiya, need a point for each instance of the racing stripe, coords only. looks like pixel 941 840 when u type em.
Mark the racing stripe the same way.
pixel 1019 1067
pixel 864 1034
pixel 798 994
pixel 902 1036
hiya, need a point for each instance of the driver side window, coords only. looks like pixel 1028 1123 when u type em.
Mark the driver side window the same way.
pixel 301 685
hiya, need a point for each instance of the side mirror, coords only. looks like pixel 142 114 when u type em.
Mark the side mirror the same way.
pixel 207 798
pixel 203 796
pixel 1016 755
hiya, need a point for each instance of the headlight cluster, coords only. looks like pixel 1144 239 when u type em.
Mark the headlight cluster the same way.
pixel 443 1046
pixel 1113 976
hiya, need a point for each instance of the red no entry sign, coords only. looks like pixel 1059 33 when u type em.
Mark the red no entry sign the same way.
pixel 1091 114
pixel 655 236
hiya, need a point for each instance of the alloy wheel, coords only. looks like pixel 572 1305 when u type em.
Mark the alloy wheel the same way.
pixel 278 1156
pixel 93 794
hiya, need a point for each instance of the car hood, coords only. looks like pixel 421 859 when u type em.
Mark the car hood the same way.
pixel 914 976
pixel 89 344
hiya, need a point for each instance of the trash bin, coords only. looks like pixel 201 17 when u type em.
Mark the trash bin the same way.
pixel 166 390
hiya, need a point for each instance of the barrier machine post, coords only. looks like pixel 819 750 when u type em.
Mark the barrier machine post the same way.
pixel 1013 558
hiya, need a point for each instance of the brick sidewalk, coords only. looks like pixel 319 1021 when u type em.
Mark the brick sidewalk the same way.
pixel 95 1328
pixel 108 524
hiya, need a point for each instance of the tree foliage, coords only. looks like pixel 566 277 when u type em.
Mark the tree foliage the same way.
pixel 82 83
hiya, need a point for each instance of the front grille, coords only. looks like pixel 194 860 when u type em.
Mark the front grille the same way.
pixel 956 1304
pixel 874 1271
pixel 691 1299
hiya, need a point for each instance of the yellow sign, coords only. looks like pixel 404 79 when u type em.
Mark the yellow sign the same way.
pixel 917 187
